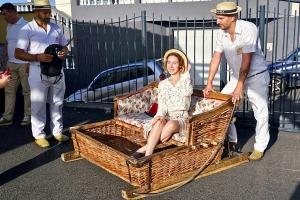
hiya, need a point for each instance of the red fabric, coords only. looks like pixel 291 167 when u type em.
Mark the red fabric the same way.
pixel 153 109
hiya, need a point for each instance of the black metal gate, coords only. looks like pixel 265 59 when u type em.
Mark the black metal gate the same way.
pixel 99 47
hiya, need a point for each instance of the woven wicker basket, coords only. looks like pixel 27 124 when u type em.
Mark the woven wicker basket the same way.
pixel 110 145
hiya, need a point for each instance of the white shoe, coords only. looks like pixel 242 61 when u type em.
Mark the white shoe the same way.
pixel 26 120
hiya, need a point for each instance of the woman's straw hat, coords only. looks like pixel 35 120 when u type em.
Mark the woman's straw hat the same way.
pixel 42 4
pixel 226 8
pixel 180 54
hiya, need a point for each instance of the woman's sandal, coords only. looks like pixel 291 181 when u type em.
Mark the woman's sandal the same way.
pixel 137 155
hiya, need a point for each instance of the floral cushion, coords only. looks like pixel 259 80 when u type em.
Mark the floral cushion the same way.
pixel 137 103
pixel 204 105
pixel 132 109
pixel 194 101
pixel 179 137
pixel 154 96
pixel 136 119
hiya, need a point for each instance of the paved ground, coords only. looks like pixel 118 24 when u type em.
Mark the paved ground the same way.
pixel 29 172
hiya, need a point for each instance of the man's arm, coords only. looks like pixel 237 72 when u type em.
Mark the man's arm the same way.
pixel 42 57
pixel 213 68
pixel 245 67
pixel 22 55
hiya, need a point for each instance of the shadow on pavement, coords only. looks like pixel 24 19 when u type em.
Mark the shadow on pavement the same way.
pixel 14 136
pixel 50 155
pixel 296 194
pixel 245 132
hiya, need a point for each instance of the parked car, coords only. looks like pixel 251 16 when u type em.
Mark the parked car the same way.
pixel 118 80
pixel 285 73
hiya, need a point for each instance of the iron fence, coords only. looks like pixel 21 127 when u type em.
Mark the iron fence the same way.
pixel 118 57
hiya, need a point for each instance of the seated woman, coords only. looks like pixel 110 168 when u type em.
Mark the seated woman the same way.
pixel 174 99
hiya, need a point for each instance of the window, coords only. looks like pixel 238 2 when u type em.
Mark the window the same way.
pixel 103 80
pixel 122 75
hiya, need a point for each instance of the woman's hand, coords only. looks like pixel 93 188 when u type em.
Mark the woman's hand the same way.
pixel 158 118
pixel 4 80
pixel 188 68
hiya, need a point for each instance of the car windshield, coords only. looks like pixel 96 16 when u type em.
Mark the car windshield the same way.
pixel 293 55
pixel 160 63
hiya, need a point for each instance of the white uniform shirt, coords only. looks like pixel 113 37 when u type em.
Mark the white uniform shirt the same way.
pixel 34 39
pixel 246 40
pixel 12 31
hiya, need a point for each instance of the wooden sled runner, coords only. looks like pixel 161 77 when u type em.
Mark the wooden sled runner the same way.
pixel 109 144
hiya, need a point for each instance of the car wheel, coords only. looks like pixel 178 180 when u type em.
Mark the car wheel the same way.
pixel 277 84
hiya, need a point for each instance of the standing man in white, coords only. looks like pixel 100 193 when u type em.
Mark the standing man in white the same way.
pixel 240 43
pixel 34 38
pixel 19 69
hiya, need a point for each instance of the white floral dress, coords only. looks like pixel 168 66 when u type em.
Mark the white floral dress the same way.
pixel 173 102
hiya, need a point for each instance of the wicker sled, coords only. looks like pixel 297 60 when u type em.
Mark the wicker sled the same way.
pixel 109 144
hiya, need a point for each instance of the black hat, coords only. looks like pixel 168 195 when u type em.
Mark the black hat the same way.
pixel 54 67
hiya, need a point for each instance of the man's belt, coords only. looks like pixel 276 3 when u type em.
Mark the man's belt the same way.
pixel 257 74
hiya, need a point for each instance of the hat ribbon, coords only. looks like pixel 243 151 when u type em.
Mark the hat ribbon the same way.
pixel 226 11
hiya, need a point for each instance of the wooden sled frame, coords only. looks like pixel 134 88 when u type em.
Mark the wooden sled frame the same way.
pixel 98 143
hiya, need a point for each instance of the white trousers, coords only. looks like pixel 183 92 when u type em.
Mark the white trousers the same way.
pixel 256 89
pixel 43 90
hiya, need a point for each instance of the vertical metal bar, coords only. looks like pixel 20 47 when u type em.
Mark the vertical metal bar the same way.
pixel 262 26
pixel 212 33
pixel 120 48
pixel 76 42
pixel 223 77
pixel 297 63
pixel 273 60
pixel 98 45
pixel 177 32
pixel 256 13
pixel 112 47
pixel 170 32
pixel 283 55
pixel 144 46
pixel 153 41
pixel 277 20
pixel 85 58
pixel 161 37
pixel 239 14
pixel 293 85
pixel 92 51
pixel 127 44
pixel 267 29
pixel 223 72
pixel 286 53
pixel 247 6
pixel 186 33
pixel 195 51
pixel 135 37
pixel 106 59
pixel 203 47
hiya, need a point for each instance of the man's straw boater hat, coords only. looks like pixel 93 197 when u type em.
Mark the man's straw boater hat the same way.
pixel 180 54
pixel 226 8
pixel 42 4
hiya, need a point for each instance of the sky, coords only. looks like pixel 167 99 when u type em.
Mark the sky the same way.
pixel 21 1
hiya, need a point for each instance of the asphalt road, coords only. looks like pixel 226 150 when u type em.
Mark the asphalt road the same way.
pixel 29 172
